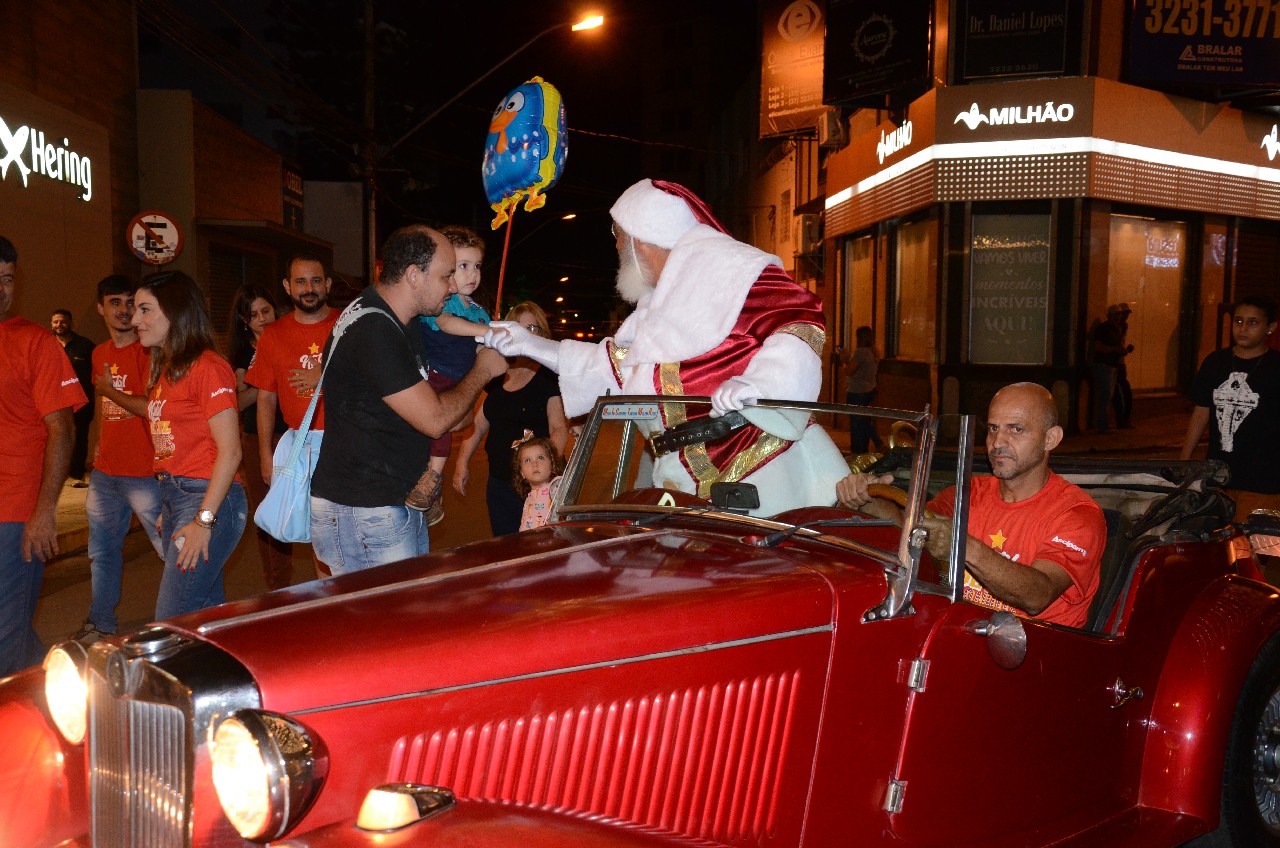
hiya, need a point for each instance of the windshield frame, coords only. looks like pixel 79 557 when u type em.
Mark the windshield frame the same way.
pixel 901 567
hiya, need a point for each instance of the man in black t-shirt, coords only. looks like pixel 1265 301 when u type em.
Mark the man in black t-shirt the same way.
pixel 80 352
pixel 1237 395
pixel 380 414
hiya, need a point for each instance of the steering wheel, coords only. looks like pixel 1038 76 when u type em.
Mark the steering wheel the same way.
pixel 889 493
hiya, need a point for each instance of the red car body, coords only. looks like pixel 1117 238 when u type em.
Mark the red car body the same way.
pixel 660 675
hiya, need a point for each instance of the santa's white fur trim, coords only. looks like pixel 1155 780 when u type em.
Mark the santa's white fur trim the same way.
pixel 653 216
pixel 697 299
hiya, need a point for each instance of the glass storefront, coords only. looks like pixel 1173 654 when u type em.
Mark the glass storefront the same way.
pixel 1145 269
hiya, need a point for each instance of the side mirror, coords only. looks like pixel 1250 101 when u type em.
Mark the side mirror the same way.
pixel 1006 638
pixel 1263 529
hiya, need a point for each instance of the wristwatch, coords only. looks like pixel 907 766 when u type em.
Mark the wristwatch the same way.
pixel 206 518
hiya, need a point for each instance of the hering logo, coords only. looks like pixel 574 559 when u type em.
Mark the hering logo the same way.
pixel 55 162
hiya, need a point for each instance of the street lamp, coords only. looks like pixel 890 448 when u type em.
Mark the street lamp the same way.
pixel 371 157
pixel 584 24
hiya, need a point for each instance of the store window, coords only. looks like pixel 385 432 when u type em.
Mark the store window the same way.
pixel 860 281
pixel 1009 263
pixel 913 328
pixel 1145 269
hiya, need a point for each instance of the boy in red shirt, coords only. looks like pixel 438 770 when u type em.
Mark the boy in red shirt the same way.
pixel 122 483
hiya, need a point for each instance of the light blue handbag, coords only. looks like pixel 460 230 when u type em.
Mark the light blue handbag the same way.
pixel 285 512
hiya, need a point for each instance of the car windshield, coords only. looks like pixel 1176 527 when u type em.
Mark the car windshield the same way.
pixel 773 468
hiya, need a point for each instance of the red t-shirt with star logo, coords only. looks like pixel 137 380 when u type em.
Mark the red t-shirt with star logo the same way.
pixel 287 344
pixel 124 440
pixel 179 415
pixel 1058 524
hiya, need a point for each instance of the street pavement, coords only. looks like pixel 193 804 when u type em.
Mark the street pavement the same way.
pixel 1160 426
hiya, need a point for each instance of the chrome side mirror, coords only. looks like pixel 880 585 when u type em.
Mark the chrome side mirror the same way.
pixel 1006 638
pixel 1263 527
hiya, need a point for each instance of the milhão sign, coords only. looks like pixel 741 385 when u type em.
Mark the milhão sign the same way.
pixel 27 151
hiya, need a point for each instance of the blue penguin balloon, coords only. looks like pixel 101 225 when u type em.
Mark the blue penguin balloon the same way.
pixel 525 150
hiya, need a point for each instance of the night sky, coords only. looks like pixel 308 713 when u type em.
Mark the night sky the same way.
pixel 292 73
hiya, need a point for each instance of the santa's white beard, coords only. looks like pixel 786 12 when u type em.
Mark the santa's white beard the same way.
pixel 633 278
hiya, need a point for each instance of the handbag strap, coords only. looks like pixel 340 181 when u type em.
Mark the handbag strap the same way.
pixel 348 317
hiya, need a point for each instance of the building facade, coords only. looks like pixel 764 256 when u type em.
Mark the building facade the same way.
pixel 983 223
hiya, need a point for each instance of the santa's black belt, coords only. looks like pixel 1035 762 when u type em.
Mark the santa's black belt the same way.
pixel 695 432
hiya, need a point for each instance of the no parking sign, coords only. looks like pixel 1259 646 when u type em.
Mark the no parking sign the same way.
pixel 154 238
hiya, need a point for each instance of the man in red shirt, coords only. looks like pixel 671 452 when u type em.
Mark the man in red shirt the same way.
pixel 38 394
pixel 122 483
pixel 1035 541
pixel 286 368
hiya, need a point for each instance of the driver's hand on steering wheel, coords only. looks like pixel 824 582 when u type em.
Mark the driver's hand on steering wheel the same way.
pixel 851 492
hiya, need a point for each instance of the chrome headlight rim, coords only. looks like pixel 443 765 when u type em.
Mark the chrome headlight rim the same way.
pixel 294 767
pixel 64 655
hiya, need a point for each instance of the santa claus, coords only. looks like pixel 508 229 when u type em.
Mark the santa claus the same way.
pixel 713 317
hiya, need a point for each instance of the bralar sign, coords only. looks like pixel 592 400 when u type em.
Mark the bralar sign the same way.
pixel 28 152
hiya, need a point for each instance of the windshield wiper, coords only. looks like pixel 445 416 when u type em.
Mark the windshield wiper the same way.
pixel 853 521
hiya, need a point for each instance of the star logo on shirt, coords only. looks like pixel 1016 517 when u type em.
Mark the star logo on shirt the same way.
pixel 115 369
pixel 315 348
pixel 997 540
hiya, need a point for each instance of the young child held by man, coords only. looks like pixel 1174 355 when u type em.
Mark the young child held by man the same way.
pixel 451 346
pixel 537 469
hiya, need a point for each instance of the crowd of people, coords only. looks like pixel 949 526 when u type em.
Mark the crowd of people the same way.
pixel 188 438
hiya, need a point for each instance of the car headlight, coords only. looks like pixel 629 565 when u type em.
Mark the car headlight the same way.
pixel 65 691
pixel 266 771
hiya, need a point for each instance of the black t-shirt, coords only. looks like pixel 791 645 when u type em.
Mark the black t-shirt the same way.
pixel 80 352
pixel 1243 397
pixel 511 413
pixel 370 456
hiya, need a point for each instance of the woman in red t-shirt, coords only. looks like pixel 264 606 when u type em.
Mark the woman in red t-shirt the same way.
pixel 191 407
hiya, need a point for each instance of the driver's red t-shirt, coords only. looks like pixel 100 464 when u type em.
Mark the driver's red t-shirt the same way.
pixel 1058 524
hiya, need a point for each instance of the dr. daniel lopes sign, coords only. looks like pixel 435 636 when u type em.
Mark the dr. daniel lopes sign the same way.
pixel 26 151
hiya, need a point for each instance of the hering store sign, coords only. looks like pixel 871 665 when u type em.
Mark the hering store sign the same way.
pixel 26 152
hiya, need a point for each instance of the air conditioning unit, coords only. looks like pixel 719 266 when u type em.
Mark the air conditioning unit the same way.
pixel 833 132
pixel 806 234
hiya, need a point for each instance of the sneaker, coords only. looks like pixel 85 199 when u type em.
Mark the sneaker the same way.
pixel 77 483
pixel 426 495
pixel 435 512
pixel 89 633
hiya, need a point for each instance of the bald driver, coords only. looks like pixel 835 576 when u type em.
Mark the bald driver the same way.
pixel 1035 541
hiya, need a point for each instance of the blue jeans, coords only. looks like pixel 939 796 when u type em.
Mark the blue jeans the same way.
pixel 19 591
pixel 353 538
pixel 111 503
pixel 188 591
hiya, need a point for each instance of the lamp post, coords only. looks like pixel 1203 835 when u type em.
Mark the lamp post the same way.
pixel 586 23
pixel 371 158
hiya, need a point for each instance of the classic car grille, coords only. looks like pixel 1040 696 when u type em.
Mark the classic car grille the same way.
pixel 137 767
pixel 703 762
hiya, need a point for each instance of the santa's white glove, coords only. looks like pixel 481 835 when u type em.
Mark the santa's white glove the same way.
pixel 509 338
pixel 733 394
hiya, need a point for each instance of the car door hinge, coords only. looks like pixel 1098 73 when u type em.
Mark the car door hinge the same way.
pixel 893 796
pixel 917 674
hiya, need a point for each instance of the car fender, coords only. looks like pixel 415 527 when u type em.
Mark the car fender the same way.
pixel 476 824
pixel 1204 669
pixel 43 799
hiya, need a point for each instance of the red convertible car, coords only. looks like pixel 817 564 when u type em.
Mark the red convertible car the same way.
pixel 658 667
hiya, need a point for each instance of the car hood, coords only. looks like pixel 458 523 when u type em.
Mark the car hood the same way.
pixel 562 597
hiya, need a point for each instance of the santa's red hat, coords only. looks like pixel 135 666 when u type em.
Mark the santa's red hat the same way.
pixel 660 213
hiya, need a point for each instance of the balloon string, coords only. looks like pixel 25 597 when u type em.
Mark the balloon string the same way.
pixel 502 267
